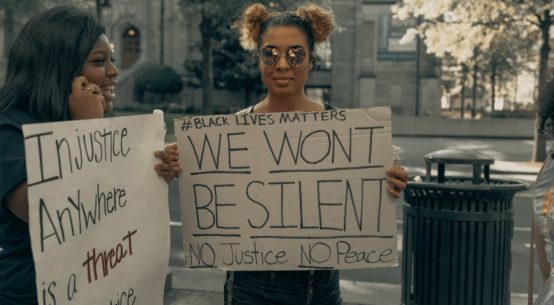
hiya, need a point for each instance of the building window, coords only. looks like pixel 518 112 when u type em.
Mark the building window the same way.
pixel 323 55
pixel 319 94
pixel 131 47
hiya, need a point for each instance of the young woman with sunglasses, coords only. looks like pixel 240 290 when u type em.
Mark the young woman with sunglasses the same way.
pixel 284 43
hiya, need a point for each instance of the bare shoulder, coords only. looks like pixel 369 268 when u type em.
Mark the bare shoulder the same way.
pixel 315 106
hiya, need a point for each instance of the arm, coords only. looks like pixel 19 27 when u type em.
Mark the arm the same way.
pixel 544 265
pixel 18 202
pixel 85 102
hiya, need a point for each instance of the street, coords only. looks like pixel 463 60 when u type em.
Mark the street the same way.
pixel 412 151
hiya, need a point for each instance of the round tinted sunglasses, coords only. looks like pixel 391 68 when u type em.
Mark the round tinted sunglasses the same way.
pixel 270 56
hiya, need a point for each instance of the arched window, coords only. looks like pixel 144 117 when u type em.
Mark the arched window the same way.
pixel 131 47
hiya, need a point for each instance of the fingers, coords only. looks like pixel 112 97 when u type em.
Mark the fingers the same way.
pixel 169 154
pixel 399 173
pixel 172 146
pixel 398 185
pixel 171 167
pixel 164 171
pixel 78 84
pixel 94 89
pixel 397 177
pixel 394 193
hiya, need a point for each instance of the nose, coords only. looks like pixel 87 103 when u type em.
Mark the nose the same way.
pixel 282 63
pixel 112 70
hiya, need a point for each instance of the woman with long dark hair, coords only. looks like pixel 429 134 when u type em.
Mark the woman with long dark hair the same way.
pixel 59 68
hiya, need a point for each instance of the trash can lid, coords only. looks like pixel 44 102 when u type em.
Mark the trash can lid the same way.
pixel 458 156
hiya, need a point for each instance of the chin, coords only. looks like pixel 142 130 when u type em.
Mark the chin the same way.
pixel 108 107
pixel 282 91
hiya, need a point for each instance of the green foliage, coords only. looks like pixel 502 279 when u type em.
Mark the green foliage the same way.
pixel 235 69
pixel 158 79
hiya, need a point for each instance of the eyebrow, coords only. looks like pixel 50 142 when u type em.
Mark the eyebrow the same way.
pixel 290 47
pixel 93 52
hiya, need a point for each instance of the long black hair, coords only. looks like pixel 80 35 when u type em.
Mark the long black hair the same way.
pixel 47 55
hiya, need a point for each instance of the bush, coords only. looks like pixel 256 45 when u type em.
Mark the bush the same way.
pixel 157 79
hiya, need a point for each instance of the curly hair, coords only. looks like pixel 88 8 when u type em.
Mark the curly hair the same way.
pixel 546 109
pixel 315 21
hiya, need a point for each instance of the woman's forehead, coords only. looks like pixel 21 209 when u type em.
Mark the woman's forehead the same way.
pixel 284 37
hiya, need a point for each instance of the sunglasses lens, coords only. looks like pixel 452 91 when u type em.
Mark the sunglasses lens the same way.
pixel 296 56
pixel 269 56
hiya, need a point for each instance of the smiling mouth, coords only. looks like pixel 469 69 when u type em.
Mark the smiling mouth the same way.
pixel 109 91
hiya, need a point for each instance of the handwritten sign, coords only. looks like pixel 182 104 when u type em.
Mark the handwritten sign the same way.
pixel 287 191
pixel 98 213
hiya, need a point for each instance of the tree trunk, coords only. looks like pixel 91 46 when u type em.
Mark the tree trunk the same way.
pixel 207 68
pixel 463 98
pixel 418 72
pixel 493 86
pixel 247 96
pixel 539 147
pixel 9 31
pixel 474 92
pixel 162 32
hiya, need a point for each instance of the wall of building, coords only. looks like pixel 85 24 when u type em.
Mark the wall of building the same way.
pixel 358 77
pixel 362 77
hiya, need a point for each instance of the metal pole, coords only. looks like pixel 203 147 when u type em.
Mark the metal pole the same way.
pixel 162 17
pixel 418 80
pixel 99 10
pixel 418 71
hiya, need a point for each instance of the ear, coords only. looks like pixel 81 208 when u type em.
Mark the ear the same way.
pixel 312 60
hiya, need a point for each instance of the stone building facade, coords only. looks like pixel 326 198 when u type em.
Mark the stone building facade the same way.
pixel 363 64
pixel 370 67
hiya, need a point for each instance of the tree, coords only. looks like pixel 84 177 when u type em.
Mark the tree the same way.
pixel 212 16
pixel 540 14
pixel 492 34
pixel 158 79
pixel 234 68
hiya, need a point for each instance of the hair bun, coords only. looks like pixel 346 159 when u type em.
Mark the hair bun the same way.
pixel 321 19
pixel 249 25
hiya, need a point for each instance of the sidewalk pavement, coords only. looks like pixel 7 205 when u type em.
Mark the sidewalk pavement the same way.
pixel 205 287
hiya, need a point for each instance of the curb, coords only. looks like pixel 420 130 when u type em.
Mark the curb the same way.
pixel 515 168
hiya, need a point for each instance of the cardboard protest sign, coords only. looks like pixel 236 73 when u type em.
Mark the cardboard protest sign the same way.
pixel 287 191
pixel 98 213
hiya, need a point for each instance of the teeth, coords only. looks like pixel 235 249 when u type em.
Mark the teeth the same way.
pixel 109 90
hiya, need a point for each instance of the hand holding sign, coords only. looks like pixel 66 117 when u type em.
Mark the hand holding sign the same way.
pixel 98 215
pixel 170 167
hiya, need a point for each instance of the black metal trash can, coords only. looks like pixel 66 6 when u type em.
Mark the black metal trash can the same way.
pixel 457 235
